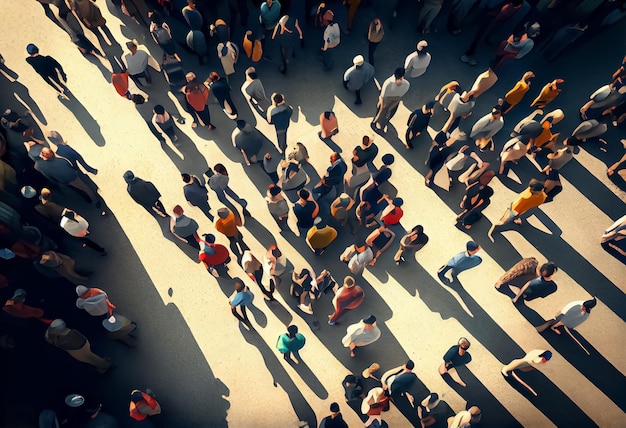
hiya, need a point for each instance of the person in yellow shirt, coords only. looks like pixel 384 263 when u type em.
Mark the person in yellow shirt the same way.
pixel 320 236
pixel 516 94
pixel 532 197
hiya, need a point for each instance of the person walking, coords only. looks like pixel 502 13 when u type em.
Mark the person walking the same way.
pixel 357 76
pixel 75 225
pixel 548 93
pixel 320 236
pixel 274 265
pixel 137 64
pixel 417 62
pixel 542 286
pixel 463 261
pixel 291 343
pixel 65 151
pixel 74 343
pixel 414 240
pixel 348 296
pixel 305 210
pixel 212 255
pixel 391 93
pixel 241 298
pixel 277 205
pixel 221 90
pixel 571 316
pixel 218 182
pixel 363 333
pixel 248 140
pixel 531 361
pixel 285 33
pixel 227 224
pixel 162 120
pixel 418 122
pixel 335 419
pixel 456 356
pixel 332 38
pixel 61 265
pixel 49 69
pixel 16 308
pixel 279 115
pixel 375 33
pixel 333 178
pixel 197 95
pixel 329 125
pixel 184 228
pixel 145 194
pixel 196 194
pixel 530 198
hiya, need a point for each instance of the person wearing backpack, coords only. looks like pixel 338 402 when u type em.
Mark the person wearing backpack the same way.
pixel 332 37
pixel 162 35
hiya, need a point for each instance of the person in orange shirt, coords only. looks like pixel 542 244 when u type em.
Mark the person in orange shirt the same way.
pixel 15 307
pixel 532 197
pixel 197 95
pixel 227 225
pixel 143 404
pixel 515 95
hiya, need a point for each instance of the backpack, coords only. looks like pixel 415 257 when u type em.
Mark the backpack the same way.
pixel 162 36
pixel 332 35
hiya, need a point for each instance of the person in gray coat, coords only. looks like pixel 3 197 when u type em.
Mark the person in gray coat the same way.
pixel 357 76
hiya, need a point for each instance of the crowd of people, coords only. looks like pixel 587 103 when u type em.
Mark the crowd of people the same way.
pixel 352 191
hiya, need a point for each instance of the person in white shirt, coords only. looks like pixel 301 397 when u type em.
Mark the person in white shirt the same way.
pixel 392 91
pixel 77 226
pixel 137 64
pixel 417 62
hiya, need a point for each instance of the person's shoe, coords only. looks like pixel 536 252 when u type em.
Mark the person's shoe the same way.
pixel 465 59
pixel 306 309
pixel 358 102
pixel 504 373
pixel 331 322
pixel 472 61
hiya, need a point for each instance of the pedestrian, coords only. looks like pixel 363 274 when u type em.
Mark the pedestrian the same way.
pixel 291 343
pixel 456 356
pixel 516 94
pixel 15 307
pixel 530 361
pixel 253 268
pixel 476 199
pixel 417 62
pixel 218 182
pixel 137 64
pixel 398 381
pixel 571 316
pixel 342 210
pixel 548 93
pixel 329 125
pixel 332 38
pixel 320 236
pixel 143 404
pixel 248 140
pixel 241 298
pixel 227 224
pixel 197 95
pixel 163 120
pixel 393 212
pixel 285 33
pixel 221 90
pixel 431 409
pixel 184 228
pixel 144 193
pixel 375 33
pixel 270 14
pixel 486 127
pixel 279 115
pixel 357 76
pixel 277 205
pixel 333 178
pixel 253 90
pixel 192 15
pixel 379 240
pixel 463 261
pixel 74 343
pixel 375 402
pixel 213 255
pixel 91 17
pixel 162 35
pixel 542 286
pixel 48 208
pixel 228 54
pixel 357 258
pixel 49 69
pixel 304 285
pixel 348 296
pixel 274 265
pixel 429 11
pixel 414 240
pixel 75 225
pixel 61 265
pixel 363 156
pixel 335 419
pixel 460 107
pixel 196 194
pixel 363 333
pixel 391 93
pixel 305 210
pixel 64 150
pixel 530 198
pixel 418 122
pixel 465 418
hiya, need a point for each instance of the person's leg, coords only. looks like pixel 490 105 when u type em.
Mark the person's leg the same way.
pixel 233 246
pixel 147 75
pixel 191 240
pixel 155 132
pixel 236 314
pixel 206 208
pixel 281 135
pixel 398 257
pixel 91 244
pixel 159 208
pixel 83 187
pixel 371 49
pixel 358 97
pixel 135 78
pixel 242 245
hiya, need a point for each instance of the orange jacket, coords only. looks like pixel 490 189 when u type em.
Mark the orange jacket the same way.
pixel 144 408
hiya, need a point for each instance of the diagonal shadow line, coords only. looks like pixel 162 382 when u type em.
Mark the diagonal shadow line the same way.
pixel 85 119
pixel 594 367
pixel 310 379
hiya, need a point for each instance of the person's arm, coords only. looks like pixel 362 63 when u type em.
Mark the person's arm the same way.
pixel 172 224
pixel 297 25
pixel 392 236
pixel 275 31
pixel 520 292
pixel 60 68
pixel 611 170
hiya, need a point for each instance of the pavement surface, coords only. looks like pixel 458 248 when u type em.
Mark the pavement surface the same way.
pixel 208 371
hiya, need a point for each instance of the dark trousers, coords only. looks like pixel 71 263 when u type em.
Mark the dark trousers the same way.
pixel 145 74
pixel 237 246
pixel 204 116
pixel 243 317
pixel 370 53
pixel 89 243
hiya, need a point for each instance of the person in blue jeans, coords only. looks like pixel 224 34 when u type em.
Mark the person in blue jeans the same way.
pixel 468 259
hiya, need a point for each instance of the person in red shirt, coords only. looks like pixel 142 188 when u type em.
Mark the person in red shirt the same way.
pixel 143 404
pixel 197 95
pixel 15 307
pixel 392 212
pixel 212 255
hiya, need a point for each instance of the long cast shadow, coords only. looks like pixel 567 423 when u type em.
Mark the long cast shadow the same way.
pixel 85 119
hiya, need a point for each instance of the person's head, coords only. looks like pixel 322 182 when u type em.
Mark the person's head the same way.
pixel 138 99
pixel 45 196
pixel 419 229
pixel 191 76
pixel 274 190
pixel 292 330
pixel 159 109
pixel 186 177
pixel 398 74
pixel 47 153
pixel 327 115
pixel 269 2
pixel 528 76
pixel 545 356
pixel 358 60
pixel 348 281
pixel 334 157
pixel 56 138
pixel 220 169
pixel 409 365
pixel 241 123
pixel 278 99
pixel 214 77
pixel 388 159
pixel 589 304
pixel 397 202
pixel 371 320
pixel 178 211
pixel 382 176
pixel 32 49
pixel 209 238
pixel 132 46
pixel 304 194
pixel 496 112
pixel 238 285
pixel 472 247
pixel 128 177
pixel 548 269
pixel 429 107
pixel 274 251
pixel 191 3
pixel 334 408
pixel 251 73
pixel 57 325
pixel 535 185
pixel 19 295
pixel 223 213
pixel 367 141
pixel 464 345
pixel 421 47
pixel 69 215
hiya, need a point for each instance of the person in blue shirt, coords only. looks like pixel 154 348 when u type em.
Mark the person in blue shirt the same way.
pixel 242 298
pixel 463 261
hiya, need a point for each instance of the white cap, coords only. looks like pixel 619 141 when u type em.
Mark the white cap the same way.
pixel 358 60
pixel 422 44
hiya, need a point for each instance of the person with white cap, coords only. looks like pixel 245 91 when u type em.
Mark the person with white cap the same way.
pixel 363 333
pixel 75 344
pixel 528 362
pixel 357 76
pixel 417 62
